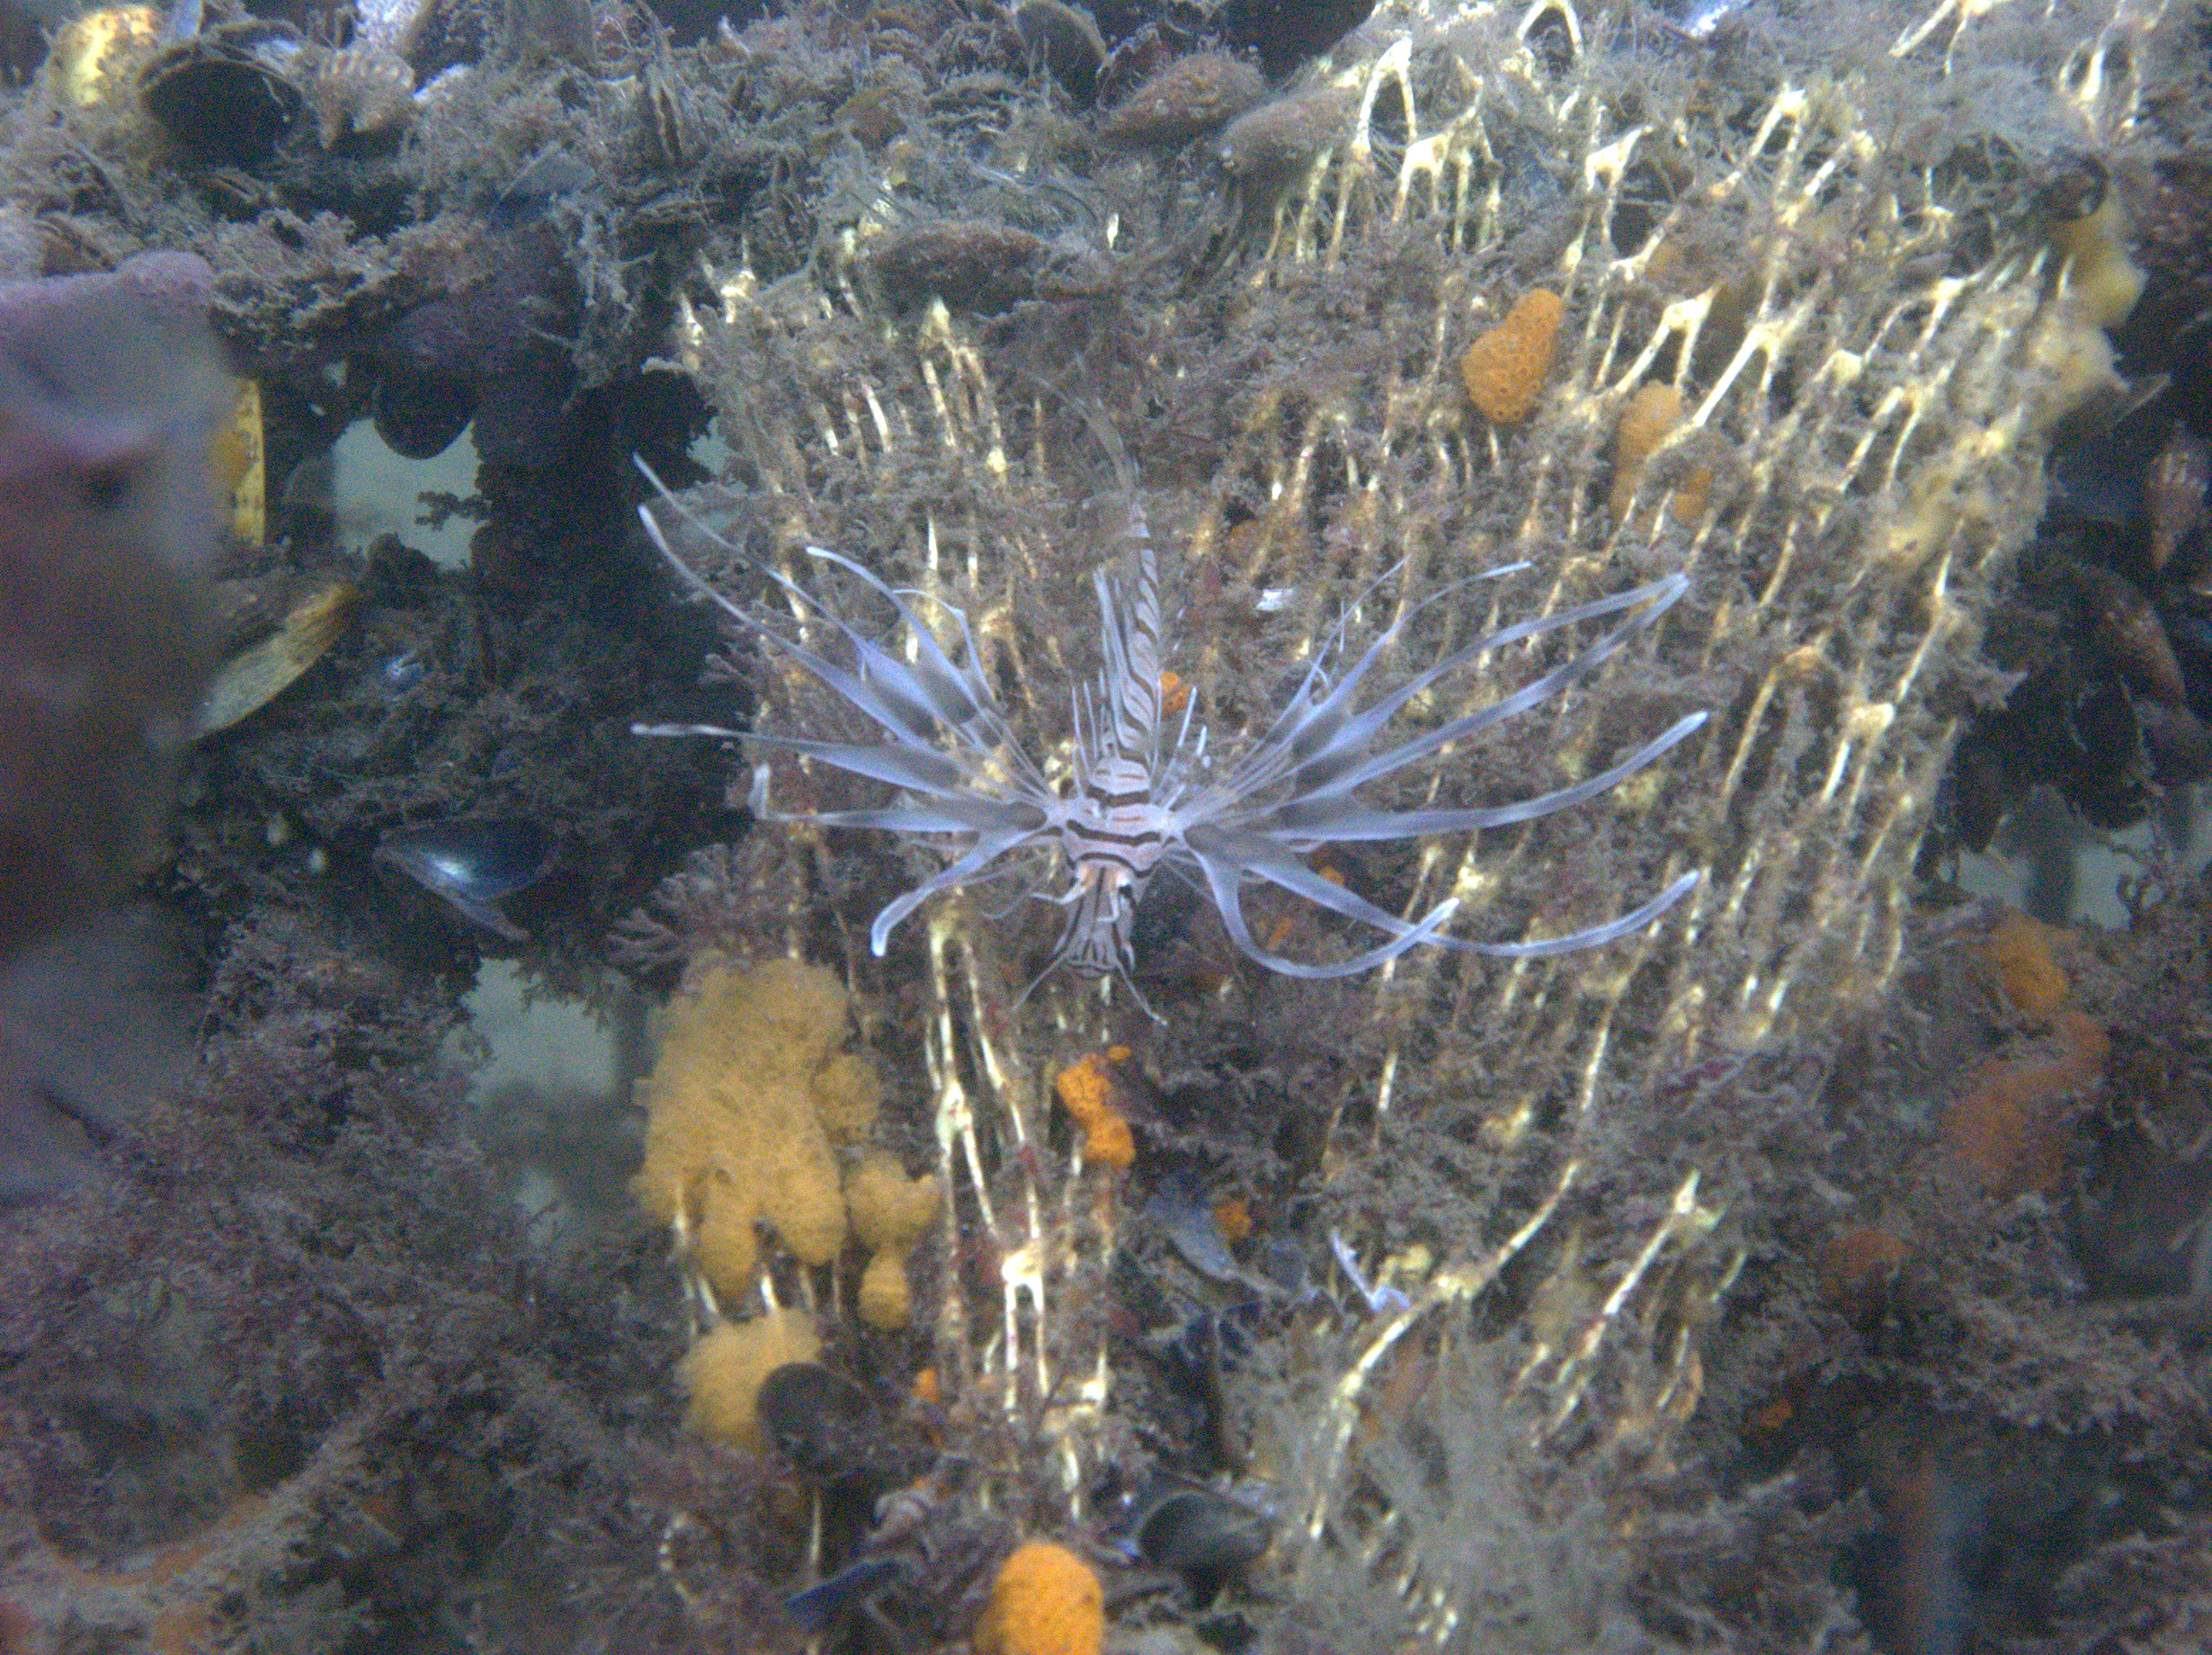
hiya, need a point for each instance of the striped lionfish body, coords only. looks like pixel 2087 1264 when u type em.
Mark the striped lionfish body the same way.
pixel 1143 797
pixel 1119 831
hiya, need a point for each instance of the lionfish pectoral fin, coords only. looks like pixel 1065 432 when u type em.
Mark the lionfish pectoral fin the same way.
pixel 1331 818
pixel 1426 931
pixel 1593 936
pixel 1124 975
pixel 1226 857
pixel 1343 763
pixel 719 732
pixel 987 849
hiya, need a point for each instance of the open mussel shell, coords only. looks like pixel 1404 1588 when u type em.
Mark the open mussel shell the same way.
pixel 227 95
pixel 253 678
pixel 472 866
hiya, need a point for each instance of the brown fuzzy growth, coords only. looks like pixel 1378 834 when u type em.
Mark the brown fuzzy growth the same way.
pixel 1189 97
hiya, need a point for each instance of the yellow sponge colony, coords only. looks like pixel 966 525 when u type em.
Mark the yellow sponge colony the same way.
pixel 890 1212
pixel 746 1107
pixel 722 1373
pixel 1045 1601
pixel 2101 281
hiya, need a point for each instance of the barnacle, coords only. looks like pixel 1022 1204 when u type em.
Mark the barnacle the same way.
pixel 668 120
pixel 360 91
pixel 2173 492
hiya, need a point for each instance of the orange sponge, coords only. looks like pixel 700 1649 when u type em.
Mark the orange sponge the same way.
pixel 2033 981
pixel 1045 1601
pixel 1087 1090
pixel 2011 1127
pixel 1648 421
pixel 1505 368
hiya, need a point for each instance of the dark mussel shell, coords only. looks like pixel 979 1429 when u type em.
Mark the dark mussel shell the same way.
pixel 1285 36
pixel 2177 743
pixel 834 1434
pixel 420 415
pixel 426 391
pixel 1207 1537
pixel 474 864
pixel 1190 96
pixel 815 1607
pixel 1066 38
pixel 822 1422
pixel 227 96
pixel 2129 632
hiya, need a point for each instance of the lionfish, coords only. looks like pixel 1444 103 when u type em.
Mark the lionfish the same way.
pixel 1143 795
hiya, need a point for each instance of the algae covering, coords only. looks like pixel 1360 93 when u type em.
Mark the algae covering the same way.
pixel 1816 1268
